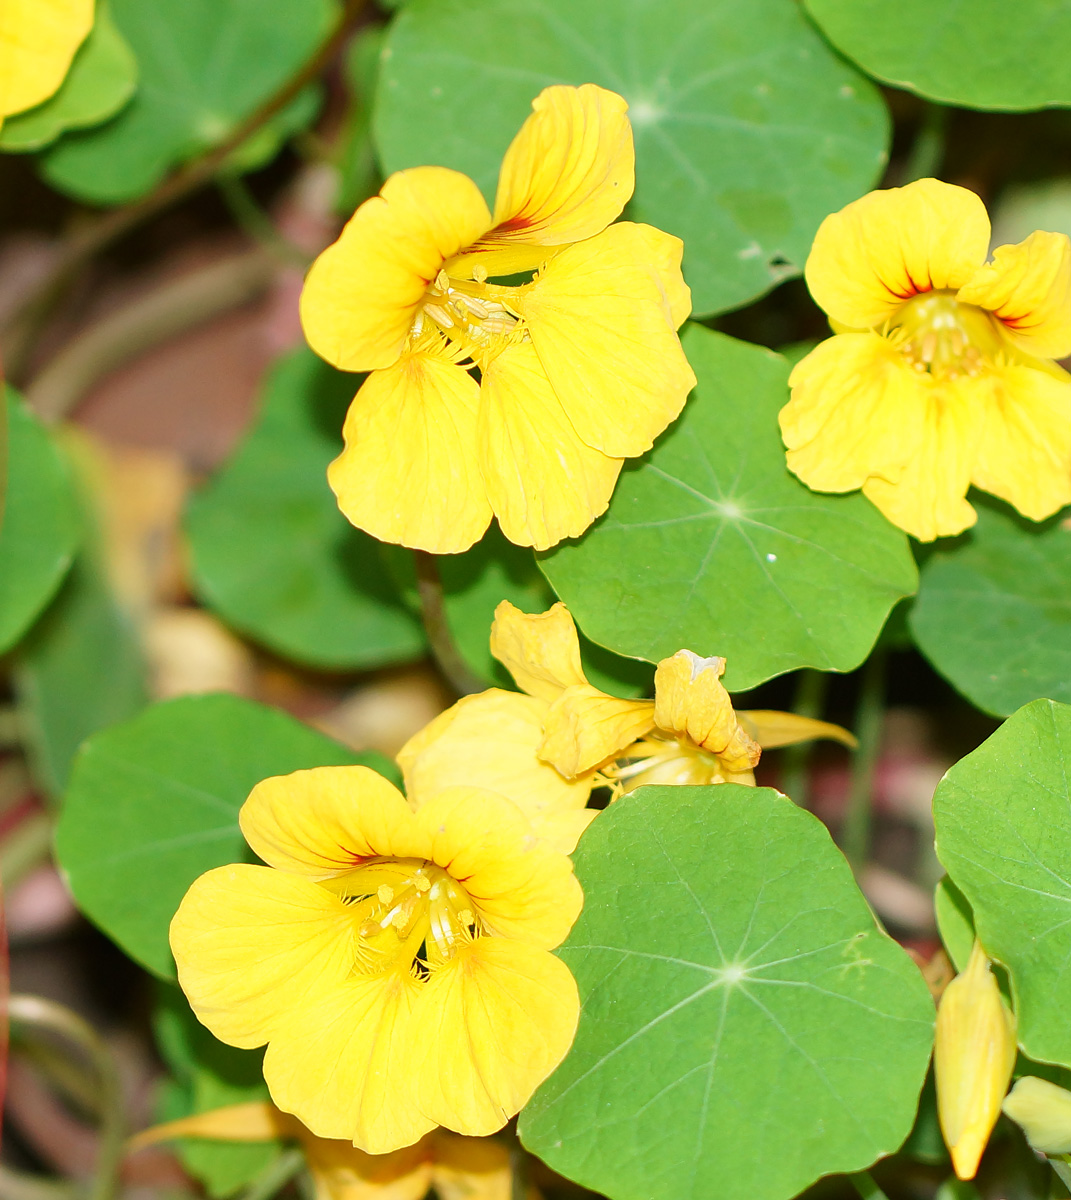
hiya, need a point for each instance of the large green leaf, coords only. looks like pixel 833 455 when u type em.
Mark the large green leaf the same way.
pixel 40 528
pixel 1003 817
pixel 711 545
pixel 272 554
pixel 748 129
pixel 205 65
pixel 101 80
pixel 975 53
pixel 153 803
pixel 993 613
pixel 739 1007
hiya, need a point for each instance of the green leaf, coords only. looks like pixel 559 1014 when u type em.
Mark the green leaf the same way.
pixel 749 131
pixel 711 545
pixel 272 554
pixel 153 803
pixel 738 1006
pixel 39 530
pixel 955 922
pixel 205 66
pixel 993 613
pixel 101 80
pixel 1003 818
pixel 974 53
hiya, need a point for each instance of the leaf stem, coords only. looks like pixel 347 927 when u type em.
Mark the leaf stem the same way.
pixel 864 1184
pixel 433 610
pixel 812 687
pixel 275 1176
pixel 869 719
pixel 928 149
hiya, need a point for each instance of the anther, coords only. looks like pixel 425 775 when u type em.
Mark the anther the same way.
pixel 385 893
pixel 422 883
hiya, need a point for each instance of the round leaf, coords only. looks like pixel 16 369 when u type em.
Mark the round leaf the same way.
pixel 1003 817
pixel 711 545
pixel 272 554
pixel 975 53
pixel 749 131
pixel 992 613
pixel 738 1005
pixel 153 803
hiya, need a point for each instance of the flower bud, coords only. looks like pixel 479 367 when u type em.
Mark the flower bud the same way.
pixel 973 1059
pixel 1044 1112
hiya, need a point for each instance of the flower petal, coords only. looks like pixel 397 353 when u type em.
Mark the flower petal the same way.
pixel 597 315
pixel 691 701
pixel 409 471
pixel 364 291
pixel 1024 444
pixel 320 823
pixel 663 253
pixel 254 1121
pixel 543 482
pixel 540 650
pixel 890 245
pixel 585 727
pixel 251 943
pixel 772 729
pixel 345 1063
pixel 857 410
pixel 469 1168
pixel 489 741
pixel 342 1172
pixel 38 39
pixel 1028 286
pixel 498 1018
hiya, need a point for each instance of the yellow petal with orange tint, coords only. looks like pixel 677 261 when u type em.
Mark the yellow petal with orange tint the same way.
pixel 38 40
pixel 342 1172
pixel 345 1061
pixel 690 701
pixel 1028 286
pixel 363 293
pixel 597 316
pixel 543 483
pixel 320 822
pixel 469 1168
pixel 499 1017
pixel 584 727
pixel 772 729
pixel 255 1121
pixel 408 473
pixel 540 650
pixel 251 944
pixel 891 245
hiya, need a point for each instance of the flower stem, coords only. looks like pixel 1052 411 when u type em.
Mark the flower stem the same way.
pixel 928 149
pixel 809 701
pixel 864 1184
pixel 275 1176
pixel 869 718
pixel 1062 1171
pixel 433 610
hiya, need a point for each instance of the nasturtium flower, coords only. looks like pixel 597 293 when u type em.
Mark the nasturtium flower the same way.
pixel 1043 1111
pixel 940 374
pixel 38 39
pixel 394 956
pixel 458 1168
pixel 973 1058
pixel 580 367
pixel 550 746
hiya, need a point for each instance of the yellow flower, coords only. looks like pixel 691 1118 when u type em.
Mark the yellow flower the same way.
pixel 973 1058
pixel 548 748
pixel 458 1168
pixel 940 374
pixel 1043 1110
pixel 580 368
pixel 38 39
pixel 393 956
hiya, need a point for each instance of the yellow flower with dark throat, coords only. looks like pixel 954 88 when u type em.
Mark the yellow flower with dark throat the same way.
pixel 548 748
pixel 394 956
pixel 941 373
pixel 580 368
pixel 38 39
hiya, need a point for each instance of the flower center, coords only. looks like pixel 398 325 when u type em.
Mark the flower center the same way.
pixel 470 311
pixel 663 760
pixel 944 338
pixel 409 914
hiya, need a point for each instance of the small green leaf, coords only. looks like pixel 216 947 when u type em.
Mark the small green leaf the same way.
pixel 955 922
pixel 748 130
pixel 101 80
pixel 153 803
pixel 711 545
pixel 1003 818
pixel 993 613
pixel 738 1005
pixel 271 553
pixel 39 530
pixel 974 53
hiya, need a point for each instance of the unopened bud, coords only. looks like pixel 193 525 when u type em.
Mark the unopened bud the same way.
pixel 1044 1112
pixel 973 1059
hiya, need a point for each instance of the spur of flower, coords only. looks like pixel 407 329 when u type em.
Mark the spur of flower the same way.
pixel 38 39
pixel 394 956
pixel 548 748
pixel 940 374
pixel 579 368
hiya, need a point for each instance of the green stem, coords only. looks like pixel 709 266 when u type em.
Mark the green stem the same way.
pixel 275 1176
pixel 433 609
pixel 869 718
pixel 864 1184
pixel 928 149
pixel 1062 1171
pixel 249 216
pixel 812 687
